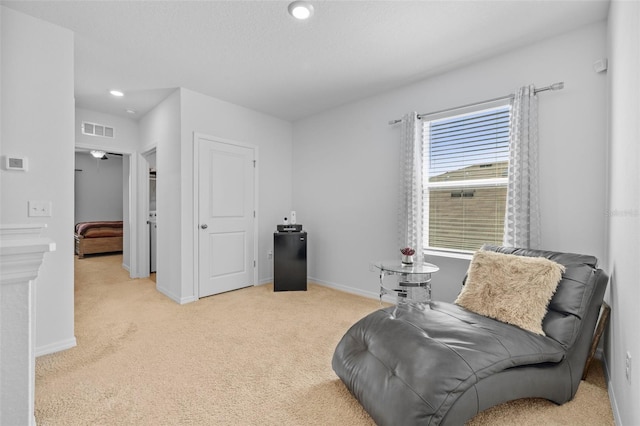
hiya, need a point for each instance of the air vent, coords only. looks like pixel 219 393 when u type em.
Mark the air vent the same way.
pixel 95 129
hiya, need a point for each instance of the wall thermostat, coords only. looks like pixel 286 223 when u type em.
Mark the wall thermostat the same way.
pixel 16 163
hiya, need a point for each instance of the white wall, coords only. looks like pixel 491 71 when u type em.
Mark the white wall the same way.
pixel 98 188
pixel 160 129
pixel 346 163
pixel 126 137
pixel 624 208
pixel 272 136
pixel 37 122
pixel 170 128
pixel 125 141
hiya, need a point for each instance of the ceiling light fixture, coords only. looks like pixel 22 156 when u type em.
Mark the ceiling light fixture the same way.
pixel 98 154
pixel 117 93
pixel 130 111
pixel 301 10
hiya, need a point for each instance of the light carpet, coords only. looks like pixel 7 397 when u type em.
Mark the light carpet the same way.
pixel 247 357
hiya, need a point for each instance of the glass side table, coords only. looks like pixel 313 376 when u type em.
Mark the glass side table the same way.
pixel 414 281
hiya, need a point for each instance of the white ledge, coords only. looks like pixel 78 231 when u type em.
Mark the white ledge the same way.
pixel 21 231
pixel 22 246
pixel 22 250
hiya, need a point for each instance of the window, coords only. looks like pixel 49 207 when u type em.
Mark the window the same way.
pixel 465 160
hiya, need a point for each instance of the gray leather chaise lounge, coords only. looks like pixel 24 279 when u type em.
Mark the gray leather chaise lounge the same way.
pixel 444 364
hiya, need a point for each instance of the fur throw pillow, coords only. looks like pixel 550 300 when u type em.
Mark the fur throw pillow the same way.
pixel 509 288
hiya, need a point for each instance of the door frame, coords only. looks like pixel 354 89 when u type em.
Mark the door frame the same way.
pixel 144 255
pixel 196 204
pixel 133 191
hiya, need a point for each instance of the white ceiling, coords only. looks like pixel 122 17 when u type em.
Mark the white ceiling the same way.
pixel 252 53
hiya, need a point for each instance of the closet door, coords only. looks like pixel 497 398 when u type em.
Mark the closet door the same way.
pixel 226 216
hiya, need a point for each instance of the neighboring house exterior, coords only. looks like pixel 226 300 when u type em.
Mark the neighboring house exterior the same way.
pixel 471 216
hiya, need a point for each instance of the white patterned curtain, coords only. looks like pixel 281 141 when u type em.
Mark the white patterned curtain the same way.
pixel 522 218
pixel 410 211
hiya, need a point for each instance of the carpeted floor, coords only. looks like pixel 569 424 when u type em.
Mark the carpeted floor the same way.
pixel 248 357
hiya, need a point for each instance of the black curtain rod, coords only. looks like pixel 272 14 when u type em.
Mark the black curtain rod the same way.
pixel 554 86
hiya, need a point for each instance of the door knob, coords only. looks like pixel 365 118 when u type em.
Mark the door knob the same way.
pixel 204 226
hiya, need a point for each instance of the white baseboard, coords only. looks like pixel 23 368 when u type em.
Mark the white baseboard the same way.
pixel 612 395
pixel 365 293
pixel 176 298
pixel 340 287
pixel 56 347
pixel 185 300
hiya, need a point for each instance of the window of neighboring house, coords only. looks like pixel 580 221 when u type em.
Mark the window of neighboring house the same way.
pixel 465 160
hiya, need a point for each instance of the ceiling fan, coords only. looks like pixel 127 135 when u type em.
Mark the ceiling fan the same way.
pixel 102 155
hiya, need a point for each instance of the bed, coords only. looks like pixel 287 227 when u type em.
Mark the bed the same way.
pixel 98 237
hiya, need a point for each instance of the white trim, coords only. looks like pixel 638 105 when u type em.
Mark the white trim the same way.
pixel 426 199
pixel 142 165
pixel 187 299
pixel 470 182
pixel 256 209
pixel 450 254
pixel 170 295
pixel 62 345
pixel 612 395
pixel 467 109
pixel 196 204
pixel 102 147
pixel 351 290
pixel 195 166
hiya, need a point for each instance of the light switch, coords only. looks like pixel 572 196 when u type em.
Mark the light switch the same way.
pixel 39 208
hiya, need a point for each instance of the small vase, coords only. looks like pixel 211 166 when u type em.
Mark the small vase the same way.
pixel 407 260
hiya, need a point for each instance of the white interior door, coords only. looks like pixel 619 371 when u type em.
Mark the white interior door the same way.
pixel 226 217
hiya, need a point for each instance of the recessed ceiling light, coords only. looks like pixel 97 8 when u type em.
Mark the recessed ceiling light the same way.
pixel 131 111
pixel 117 93
pixel 301 10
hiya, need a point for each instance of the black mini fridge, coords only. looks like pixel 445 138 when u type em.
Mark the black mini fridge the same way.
pixel 290 261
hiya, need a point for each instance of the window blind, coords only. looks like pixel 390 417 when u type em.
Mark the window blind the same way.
pixel 466 162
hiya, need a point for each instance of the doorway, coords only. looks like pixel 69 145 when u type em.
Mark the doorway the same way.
pixel 152 221
pixel 133 222
pixel 101 192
